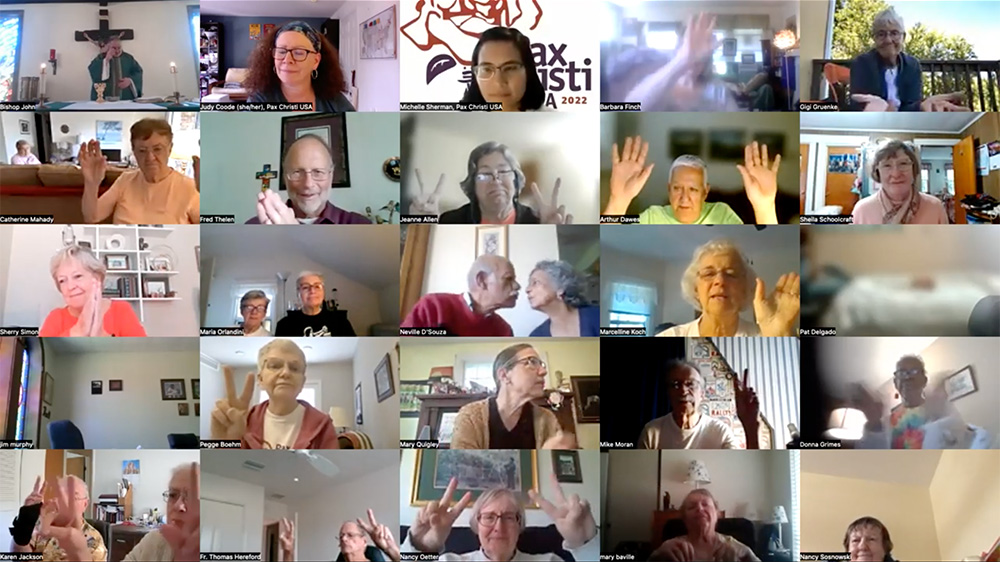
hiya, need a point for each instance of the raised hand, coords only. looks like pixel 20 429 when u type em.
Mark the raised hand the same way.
pixel 434 520
pixel 629 174
pixel 776 314
pixel 272 210
pixel 229 418
pixel 699 41
pixel 286 538
pixel 381 535
pixel 184 537
pixel 88 321
pixel 872 103
pixel 747 408
pixel 37 494
pixel 675 550
pixel 92 163
pixel 63 522
pixel 427 203
pixel 572 515
pixel 551 213
pixel 760 177
pixel 561 441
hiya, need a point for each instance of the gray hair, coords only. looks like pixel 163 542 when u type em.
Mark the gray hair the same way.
pixel 887 17
pixel 566 279
pixel 469 183
pixel 690 161
pixel 888 150
pixel 699 492
pixel 81 255
pixel 253 294
pixel 505 357
pixel 283 344
pixel 298 278
pixel 688 280
pixel 311 136
pixel 676 364
pixel 485 263
pixel 487 497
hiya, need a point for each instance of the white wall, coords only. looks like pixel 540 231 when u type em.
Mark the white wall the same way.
pixel 10 133
pixel 162 35
pixel 952 354
pixel 237 146
pixel 250 496
pixel 274 511
pixel 84 124
pixel 381 419
pixel 6 237
pixel 377 79
pixel 963 495
pixel 154 478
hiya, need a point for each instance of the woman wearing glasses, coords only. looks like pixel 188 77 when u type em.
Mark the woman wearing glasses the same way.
pixel 505 72
pixel 253 308
pixel 296 64
pixel 509 420
pixel 719 283
pixel 896 167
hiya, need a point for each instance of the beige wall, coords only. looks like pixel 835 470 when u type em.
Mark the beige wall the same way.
pixel 814 16
pixel 830 503
pixel 951 354
pixel 964 495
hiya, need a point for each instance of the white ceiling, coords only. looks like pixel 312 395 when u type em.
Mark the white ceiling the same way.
pixel 281 467
pixel 119 345
pixel 368 254
pixel 677 242
pixel 913 122
pixel 870 361
pixel 899 467
pixel 290 9
pixel 317 350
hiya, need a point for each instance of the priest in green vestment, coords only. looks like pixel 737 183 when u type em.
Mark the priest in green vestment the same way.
pixel 118 70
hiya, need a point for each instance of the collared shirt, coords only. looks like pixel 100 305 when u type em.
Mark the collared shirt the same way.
pixel 331 215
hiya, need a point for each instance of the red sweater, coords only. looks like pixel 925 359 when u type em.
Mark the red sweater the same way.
pixel 451 312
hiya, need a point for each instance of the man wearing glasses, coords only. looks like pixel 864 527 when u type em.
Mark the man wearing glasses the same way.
pixel 60 532
pixel 686 427
pixel 309 169
pixel 314 319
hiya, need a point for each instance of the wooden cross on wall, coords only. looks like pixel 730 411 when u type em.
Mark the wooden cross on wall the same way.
pixel 104 31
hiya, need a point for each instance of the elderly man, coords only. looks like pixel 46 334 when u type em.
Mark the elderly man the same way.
pixel 282 421
pixel 688 187
pixel 686 427
pixel 253 308
pixel 61 533
pixel 353 545
pixel 314 320
pixel 117 69
pixel 492 286
pixel 700 511
pixel 308 168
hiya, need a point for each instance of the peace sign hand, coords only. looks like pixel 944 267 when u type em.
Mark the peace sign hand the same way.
pixel 381 535
pixel 229 418
pixel 427 203
pixel 434 520
pixel 184 535
pixel 629 174
pixel 552 213
pixel 760 178
pixel 62 521
pixel 286 538
pixel 572 516
pixel 37 494
pixel 776 314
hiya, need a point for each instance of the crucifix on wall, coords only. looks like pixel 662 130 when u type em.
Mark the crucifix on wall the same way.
pixel 118 70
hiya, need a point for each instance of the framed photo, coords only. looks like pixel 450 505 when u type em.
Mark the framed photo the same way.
pixel 383 379
pixel 25 126
pixel 491 240
pixel 960 384
pixel 197 409
pixel 476 471
pixel 111 287
pixel 109 132
pixel 172 389
pixel 378 35
pixel 332 129
pixel 48 388
pixel 155 289
pixel 775 143
pixel 729 47
pixel 566 466
pixel 686 141
pixel 117 262
pixel 409 404
pixel 446 426
pixel 183 409
pixel 726 144
pixel 359 417
pixel 114 385
pixel 587 398
pixel 97 387
pixel 196 389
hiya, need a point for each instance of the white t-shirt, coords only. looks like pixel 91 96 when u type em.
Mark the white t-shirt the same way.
pixel 260 332
pixel 708 433
pixel 18 160
pixel 280 432
pixel 690 330
pixel 891 91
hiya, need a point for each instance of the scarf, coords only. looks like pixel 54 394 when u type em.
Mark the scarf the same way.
pixel 902 212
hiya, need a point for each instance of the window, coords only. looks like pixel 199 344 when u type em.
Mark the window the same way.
pixel 662 40
pixel 632 304
pixel 10 53
pixel 925 178
pixel 22 398
pixel 310 394
pixel 480 372
pixel 949 170
pixel 627 320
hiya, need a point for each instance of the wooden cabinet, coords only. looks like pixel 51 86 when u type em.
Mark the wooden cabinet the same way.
pixel 435 408
pixel 123 539
pixel 660 519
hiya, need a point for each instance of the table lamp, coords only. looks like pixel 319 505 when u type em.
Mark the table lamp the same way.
pixel 779 518
pixel 340 417
pixel 846 424
pixel 698 474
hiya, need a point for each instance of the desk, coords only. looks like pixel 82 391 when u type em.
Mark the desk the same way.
pixel 123 539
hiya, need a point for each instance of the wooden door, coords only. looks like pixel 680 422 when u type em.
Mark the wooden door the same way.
pixel 803 173
pixel 839 185
pixel 964 161
pixel 76 466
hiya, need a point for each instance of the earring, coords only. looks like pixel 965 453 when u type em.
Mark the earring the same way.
pixel 897 395
pixel 315 74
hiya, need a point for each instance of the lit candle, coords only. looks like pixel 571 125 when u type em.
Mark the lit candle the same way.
pixel 42 86
pixel 173 71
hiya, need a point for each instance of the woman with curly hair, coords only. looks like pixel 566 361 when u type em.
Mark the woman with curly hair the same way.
pixel 296 64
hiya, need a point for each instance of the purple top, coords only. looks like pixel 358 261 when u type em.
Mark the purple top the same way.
pixel 330 215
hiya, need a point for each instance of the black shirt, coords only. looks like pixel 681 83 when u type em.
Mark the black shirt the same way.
pixel 521 437
pixel 328 323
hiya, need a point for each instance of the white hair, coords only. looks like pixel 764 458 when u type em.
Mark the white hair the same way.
pixel 689 279
pixel 690 161
pixel 488 497
pixel 83 256
pixel 485 263
pixel 888 17
pixel 298 279
pixel 283 344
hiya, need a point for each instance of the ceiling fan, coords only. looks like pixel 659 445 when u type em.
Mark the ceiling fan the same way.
pixel 322 464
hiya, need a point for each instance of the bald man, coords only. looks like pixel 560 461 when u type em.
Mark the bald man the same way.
pixel 309 170
pixel 492 286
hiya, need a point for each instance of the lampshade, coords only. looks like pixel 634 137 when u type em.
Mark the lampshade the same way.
pixel 339 416
pixel 698 474
pixel 846 424
pixel 778 515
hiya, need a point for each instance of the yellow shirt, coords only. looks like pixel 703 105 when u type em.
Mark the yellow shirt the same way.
pixel 174 200
pixel 50 551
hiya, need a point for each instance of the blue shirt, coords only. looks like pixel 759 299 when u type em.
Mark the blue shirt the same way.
pixel 590 324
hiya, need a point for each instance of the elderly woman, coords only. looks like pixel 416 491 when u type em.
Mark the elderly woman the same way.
pixel 700 512
pixel 556 289
pixel 353 546
pixel 492 184
pixel 886 77
pixel 24 155
pixel 868 539
pixel 505 72
pixel 154 194
pixel 498 519
pixel 297 64
pixel 79 277
pixel 719 283
pixel 253 308
pixel 896 167
pixel 180 538
pixel 509 420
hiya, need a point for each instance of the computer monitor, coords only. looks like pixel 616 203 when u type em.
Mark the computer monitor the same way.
pixel 112 154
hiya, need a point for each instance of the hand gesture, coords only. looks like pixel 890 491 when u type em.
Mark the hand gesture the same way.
pixel 776 314
pixel 286 538
pixel 629 174
pixel 185 538
pixel 760 177
pixel 91 320
pixel 872 103
pixel 674 550
pixel 572 516
pixel 868 403
pixel 427 203
pixel 747 405
pixel 944 102
pixel 92 163
pixel 552 213
pixel 37 494
pixel 434 520
pixel 698 42
pixel 381 535
pixel 561 441
pixel 229 418
pixel 63 522
pixel 272 210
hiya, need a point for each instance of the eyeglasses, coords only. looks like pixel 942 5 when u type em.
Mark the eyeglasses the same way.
pixel 318 174
pixel 158 151
pixel 490 519
pixel 498 175
pixel 309 288
pixel 350 535
pixel 892 34
pixel 690 385
pixel 909 374
pixel 530 362
pixel 174 495
pixel 710 273
pixel 487 71
pixel 298 55
pixel 254 308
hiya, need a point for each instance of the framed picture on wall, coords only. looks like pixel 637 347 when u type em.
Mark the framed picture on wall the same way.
pixel 587 399
pixel 384 387
pixel 491 240
pixel 960 384
pixel 172 389
pixel 359 417
pixel 378 35
pixel 476 471
pixel 48 387
pixel 331 129
pixel 566 466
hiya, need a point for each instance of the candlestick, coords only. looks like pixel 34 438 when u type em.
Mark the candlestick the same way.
pixel 41 88
pixel 177 91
